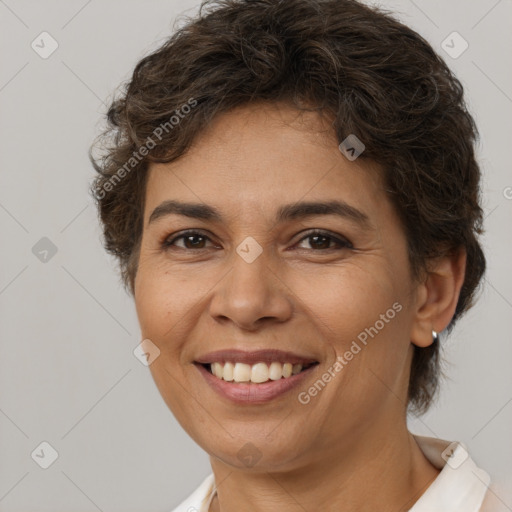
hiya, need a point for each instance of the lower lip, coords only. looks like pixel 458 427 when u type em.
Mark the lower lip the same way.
pixel 251 393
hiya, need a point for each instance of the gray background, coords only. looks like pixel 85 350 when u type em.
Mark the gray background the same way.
pixel 67 372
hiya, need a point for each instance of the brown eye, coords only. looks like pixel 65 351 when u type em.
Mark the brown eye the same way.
pixel 321 240
pixel 191 240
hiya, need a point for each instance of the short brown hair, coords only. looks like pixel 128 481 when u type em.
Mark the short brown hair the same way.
pixel 376 77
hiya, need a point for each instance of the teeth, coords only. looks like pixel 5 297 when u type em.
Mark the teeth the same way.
pixel 228 372
pixel 297 368
pixel 275 370
pixel 217 370
pixel 241 373
pixel 257 373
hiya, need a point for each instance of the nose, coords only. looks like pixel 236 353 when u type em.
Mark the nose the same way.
pixel 252 295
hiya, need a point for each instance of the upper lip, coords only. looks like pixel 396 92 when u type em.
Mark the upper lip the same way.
pixel 253 357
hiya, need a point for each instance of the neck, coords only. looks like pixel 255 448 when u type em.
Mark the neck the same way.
pixel 377 473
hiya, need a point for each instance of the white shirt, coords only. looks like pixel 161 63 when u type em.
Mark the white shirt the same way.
pixel 460 486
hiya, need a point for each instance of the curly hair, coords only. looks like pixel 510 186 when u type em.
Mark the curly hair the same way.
pixel 373 75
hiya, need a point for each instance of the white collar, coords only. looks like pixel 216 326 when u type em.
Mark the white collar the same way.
pixel 460 486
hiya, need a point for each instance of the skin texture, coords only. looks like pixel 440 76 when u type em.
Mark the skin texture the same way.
pixel 348 448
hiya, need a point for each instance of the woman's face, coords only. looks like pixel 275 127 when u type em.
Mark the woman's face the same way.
pixel 250 281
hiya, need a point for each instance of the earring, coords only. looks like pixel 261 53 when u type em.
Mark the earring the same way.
pixel 435 336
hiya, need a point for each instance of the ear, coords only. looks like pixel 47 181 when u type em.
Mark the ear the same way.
pixel 437 296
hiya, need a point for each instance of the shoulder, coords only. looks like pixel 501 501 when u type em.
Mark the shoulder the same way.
pixel 460 486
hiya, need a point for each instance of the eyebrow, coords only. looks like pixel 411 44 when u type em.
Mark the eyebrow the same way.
pixel 285 213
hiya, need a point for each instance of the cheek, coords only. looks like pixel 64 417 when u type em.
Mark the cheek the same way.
pixel 169 304
pixel 165 309
pixel 345 300
pixel 362 318
pixel 160 297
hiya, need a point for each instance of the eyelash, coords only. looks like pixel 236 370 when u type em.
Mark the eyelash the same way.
pixel 342 243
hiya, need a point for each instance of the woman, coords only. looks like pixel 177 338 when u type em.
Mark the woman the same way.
pixel 292 193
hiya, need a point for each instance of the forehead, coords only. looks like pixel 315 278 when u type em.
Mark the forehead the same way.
pixel 254 158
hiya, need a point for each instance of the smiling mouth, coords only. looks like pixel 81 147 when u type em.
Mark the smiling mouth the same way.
pixel 258 373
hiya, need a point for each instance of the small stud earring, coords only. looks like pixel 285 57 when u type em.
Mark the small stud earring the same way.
pixel 435 336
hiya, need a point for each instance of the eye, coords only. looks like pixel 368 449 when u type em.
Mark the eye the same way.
pixel 196 240
pixel 322 240
pixel 191 240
